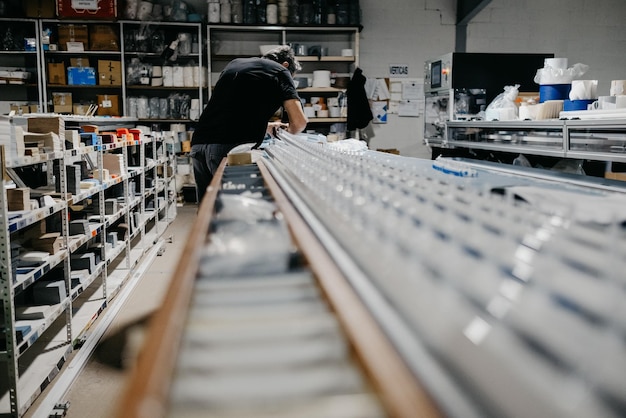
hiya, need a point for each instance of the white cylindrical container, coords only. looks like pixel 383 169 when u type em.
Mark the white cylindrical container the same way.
pixel 321 78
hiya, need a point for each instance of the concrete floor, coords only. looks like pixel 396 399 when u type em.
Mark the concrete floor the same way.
pixel 95 393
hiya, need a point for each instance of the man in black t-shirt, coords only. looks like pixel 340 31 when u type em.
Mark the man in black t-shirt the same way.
pixel 247 94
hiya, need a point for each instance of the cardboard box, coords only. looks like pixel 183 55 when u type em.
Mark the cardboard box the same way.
pixel 103 38
pixel 615 176
pixel 62 102
pixel 79 62
pixel 87 9
pixel 186 146
pixel 20 109
pixel 50 242
pixel 108 104
pixel 109 73
pixel 56 73
pixel 73 33
pixel 80 109
pixel 114 163
pixel 39 8
pixel 18 198
pixel 240 158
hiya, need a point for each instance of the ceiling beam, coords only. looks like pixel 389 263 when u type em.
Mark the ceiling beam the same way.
pixel 466 10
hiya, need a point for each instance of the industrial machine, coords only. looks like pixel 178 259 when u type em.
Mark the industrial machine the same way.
pixel 458 86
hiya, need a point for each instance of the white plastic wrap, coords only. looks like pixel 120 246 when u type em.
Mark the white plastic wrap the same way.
pixel 551 75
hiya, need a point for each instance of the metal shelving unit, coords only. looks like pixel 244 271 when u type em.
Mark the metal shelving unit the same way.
pixel 37 345
pixel 227 42
pixel 599 140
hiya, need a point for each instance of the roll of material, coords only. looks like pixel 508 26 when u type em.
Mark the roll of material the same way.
pixel 195 103
pixel 156 81
pixel 576 104
pixel 214 12
pixel 618 87
pixel 143 110
pixel 178 76
pixel 144 10
pixel 584 90
pixel 197 77
pixel 157 71
pixel 321 78
pixel 168 76
pixel 132 107
pixel 560 63
pixel 554 92
pixel 188 76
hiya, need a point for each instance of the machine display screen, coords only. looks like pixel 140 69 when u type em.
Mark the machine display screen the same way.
pixel 435 74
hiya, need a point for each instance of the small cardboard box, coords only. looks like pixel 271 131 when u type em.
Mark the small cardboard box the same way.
pixel 103 38
pixel 50 242
pixel 39 8
pixel 56 73
pixel 108 104
pixel 62 102
pixel 73 33
pixel 186 146
pixel 239 158
pixel 18 198
pixel 109 73
pixel 80 109
pixel 20 109
pixel 79 62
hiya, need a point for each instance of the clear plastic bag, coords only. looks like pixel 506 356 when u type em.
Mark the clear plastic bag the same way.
pixel 503 107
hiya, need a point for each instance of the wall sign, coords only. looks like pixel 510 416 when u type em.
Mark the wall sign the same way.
pixel 398 70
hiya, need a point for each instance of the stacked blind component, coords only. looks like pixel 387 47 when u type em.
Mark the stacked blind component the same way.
pixel 523 308
pixel 259 339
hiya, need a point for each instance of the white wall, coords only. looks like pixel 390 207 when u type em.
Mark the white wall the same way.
pixel 591 32
pixel 404 32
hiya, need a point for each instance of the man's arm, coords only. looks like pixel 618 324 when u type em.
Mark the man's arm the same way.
pixel 297 118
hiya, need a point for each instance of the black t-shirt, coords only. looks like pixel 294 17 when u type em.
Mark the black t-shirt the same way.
pixel 247 94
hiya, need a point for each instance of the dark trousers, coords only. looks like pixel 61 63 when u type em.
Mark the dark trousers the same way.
pixel 205 159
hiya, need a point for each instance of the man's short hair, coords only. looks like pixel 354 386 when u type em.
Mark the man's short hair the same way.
pixel 282 54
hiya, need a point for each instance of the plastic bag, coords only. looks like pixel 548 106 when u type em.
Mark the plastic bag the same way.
pixel 551 75
pixel 503 107
pixel 522 161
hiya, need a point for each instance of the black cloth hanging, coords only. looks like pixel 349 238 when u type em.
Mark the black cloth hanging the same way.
pixel 359 111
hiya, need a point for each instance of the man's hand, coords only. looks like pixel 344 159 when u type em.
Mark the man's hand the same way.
pixel 273 127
